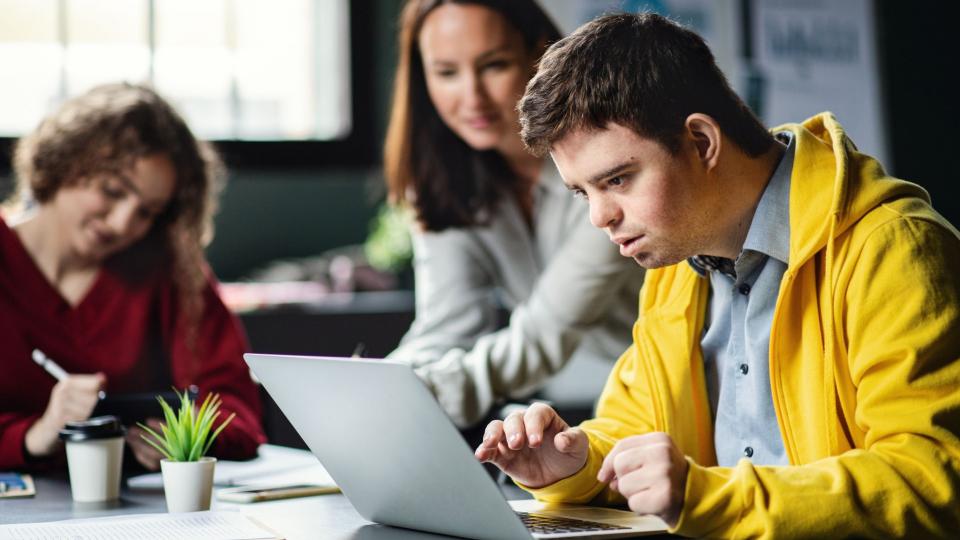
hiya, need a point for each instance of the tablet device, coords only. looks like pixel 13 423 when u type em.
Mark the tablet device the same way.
pixel 137 407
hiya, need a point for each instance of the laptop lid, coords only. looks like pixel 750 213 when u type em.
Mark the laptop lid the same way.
pixel 395 454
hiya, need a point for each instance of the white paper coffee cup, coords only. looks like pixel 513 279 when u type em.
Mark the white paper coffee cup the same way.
pixel 94 458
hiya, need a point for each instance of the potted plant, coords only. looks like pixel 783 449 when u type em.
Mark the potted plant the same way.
pixel 186 437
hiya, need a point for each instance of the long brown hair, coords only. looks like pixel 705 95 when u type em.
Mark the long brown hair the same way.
pixel 448 183
pixel 106 130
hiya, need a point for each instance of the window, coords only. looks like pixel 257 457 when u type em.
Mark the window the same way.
pixel 238 70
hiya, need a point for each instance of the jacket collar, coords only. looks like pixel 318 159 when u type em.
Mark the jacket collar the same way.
pixel 832 185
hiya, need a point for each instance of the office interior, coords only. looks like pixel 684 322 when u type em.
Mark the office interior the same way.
pixel 310 209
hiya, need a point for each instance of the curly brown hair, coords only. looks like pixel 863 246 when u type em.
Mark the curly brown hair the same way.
pixel 106 130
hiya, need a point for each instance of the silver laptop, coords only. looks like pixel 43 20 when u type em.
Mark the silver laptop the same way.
pixel 400 461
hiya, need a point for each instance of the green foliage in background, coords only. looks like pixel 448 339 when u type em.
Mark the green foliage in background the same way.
pixel 388 247
pixel 186 433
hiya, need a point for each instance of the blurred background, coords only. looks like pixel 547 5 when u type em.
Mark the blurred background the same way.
pixel 295 94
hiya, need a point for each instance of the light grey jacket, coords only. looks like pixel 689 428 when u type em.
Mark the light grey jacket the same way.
pixel 572 299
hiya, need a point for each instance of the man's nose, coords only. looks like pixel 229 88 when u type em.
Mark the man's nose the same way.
pixel 604 213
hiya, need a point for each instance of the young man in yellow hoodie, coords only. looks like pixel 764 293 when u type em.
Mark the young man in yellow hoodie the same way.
pixel 795 370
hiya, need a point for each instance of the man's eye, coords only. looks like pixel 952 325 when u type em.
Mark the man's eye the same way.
pixel 579 194
pixel 616 181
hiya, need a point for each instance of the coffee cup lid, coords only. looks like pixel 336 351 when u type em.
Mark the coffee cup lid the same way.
pixel 99 427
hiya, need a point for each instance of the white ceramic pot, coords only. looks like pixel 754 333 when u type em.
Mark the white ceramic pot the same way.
pixel 188 485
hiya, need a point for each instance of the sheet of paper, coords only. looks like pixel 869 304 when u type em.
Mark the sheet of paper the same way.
pixel 190 526
pixel 273 465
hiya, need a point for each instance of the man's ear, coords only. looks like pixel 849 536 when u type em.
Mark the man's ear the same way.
pixel 705 132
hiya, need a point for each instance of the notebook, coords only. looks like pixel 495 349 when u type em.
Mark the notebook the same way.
pixel 381 435
pixel 14 485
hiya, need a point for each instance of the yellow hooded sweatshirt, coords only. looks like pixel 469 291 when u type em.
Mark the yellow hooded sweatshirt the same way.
pixel 864 368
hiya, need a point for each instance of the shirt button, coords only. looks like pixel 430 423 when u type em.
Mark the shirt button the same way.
pixel 744 369
pixel 744 289
pixel 748 451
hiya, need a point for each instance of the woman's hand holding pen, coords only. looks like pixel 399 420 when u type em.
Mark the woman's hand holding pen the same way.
pixel 71 400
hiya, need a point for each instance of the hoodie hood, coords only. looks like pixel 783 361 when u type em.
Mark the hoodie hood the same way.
pixel 826 156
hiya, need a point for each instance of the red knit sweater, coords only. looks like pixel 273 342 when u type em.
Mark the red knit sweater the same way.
pixel 128 328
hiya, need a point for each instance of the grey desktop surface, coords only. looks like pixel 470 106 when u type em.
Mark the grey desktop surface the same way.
pixel 323 516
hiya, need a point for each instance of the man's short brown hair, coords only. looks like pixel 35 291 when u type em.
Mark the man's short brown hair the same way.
pixel 642 71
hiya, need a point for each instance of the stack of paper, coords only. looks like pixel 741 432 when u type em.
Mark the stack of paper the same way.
pixel 190 526
pixel 275 465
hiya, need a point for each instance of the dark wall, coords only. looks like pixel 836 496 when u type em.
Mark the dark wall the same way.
pixel 267 215
pixel 918 53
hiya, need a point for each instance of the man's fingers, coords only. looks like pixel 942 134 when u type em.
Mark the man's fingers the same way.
pixel 606 474
pixel 500 455
pixel 485 454
pixel 492 435
pixel 656 500
pixel 571 441
pixel 641 479
pixel 494 444
pixel 633 459
pixel 607 470
pixel 621 460
pixel 538 418
pixel 514 430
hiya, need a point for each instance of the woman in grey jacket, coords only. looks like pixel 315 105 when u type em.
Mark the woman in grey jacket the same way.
pixel 494 225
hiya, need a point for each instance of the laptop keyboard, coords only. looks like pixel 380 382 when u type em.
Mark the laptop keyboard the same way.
pixel 548 525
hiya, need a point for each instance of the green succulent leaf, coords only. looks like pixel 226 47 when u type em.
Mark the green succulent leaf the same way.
pixel 187 433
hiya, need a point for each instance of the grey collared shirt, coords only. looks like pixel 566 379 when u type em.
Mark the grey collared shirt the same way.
pixel 736 339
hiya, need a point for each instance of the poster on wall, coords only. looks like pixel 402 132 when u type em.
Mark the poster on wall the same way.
pixel 820 55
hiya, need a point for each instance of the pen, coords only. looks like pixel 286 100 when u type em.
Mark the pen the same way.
pixel 54 369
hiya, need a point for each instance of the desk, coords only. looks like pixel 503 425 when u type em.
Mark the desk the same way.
pixel 328 517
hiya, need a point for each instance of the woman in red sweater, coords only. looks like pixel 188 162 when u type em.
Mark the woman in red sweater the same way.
pixel 102 269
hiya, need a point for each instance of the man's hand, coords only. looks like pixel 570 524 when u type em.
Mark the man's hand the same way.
pixel 147 455
pixel 71 400
pixel 650 472
pixel 535 447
